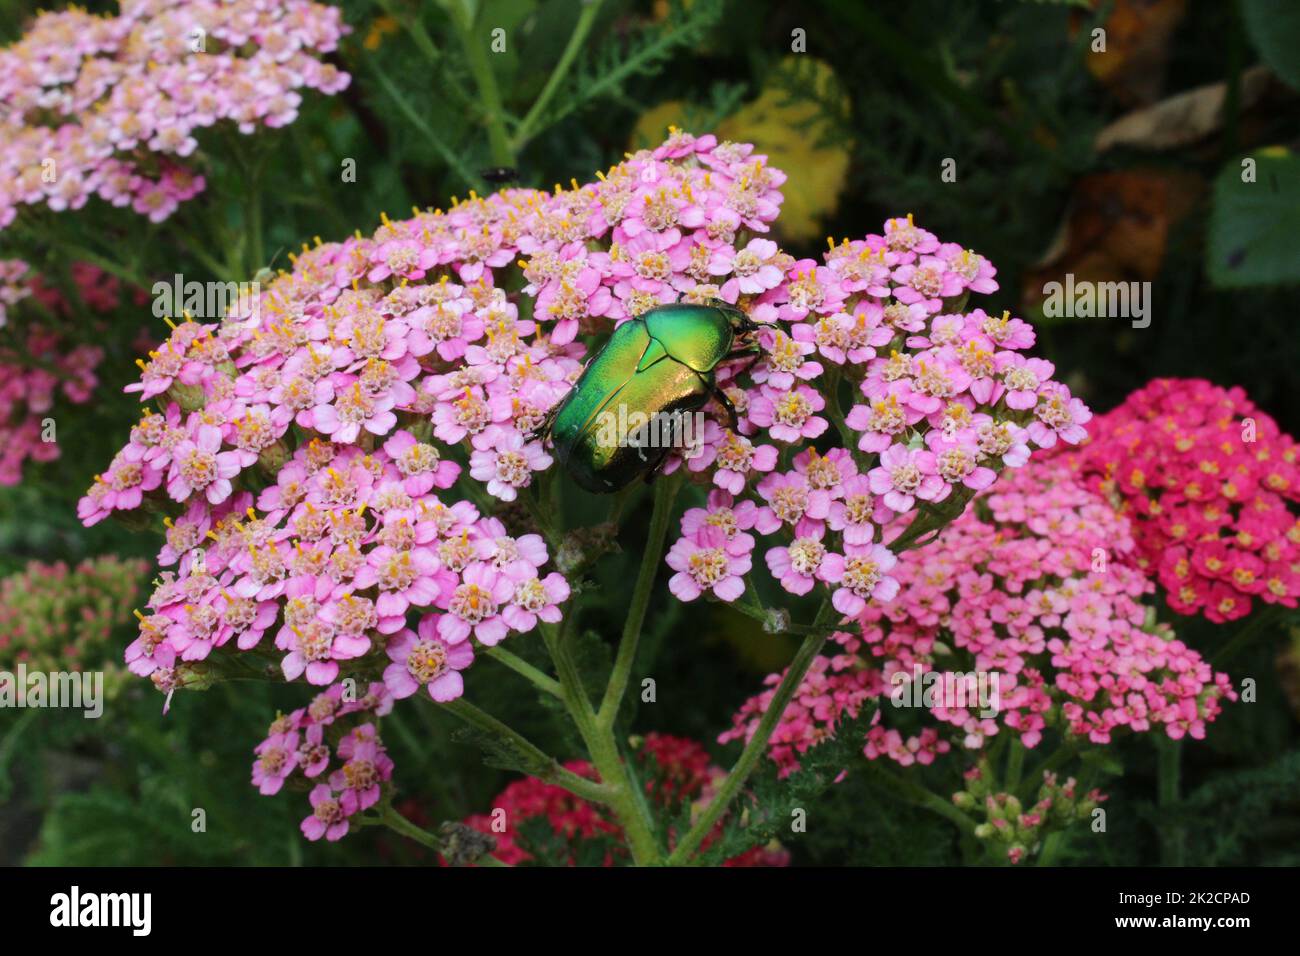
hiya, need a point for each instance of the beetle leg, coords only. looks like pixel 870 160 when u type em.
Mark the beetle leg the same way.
pixel 543 428
pixel 754 350
pixel 727 407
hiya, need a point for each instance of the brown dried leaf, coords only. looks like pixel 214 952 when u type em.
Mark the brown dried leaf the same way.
pixel 1183 118
pixel 1138 33
pixel 1115 229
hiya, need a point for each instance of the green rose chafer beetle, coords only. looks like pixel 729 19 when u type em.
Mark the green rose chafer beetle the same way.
pixel 637 397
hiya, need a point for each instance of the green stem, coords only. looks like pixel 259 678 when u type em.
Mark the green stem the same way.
pixel 1168 771
pixel 1015 762
pixel 750 607
pixel 916 794
pixel 254 225
pixel 1055 759
pixel 225 271
pixel 756 746
pixel 627 802
pixel 1245 635
pixel 545 767
pixel 486 81
pixel 413 26
pixel 1051 848
pixel 665 495
pixel 527 125
pixel 535 511
pixel 522 667
pixel 836 412
pixel 125 273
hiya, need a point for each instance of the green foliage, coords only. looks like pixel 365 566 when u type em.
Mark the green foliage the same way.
pixel 1255 221
pixel 607 72
pixel 770 807
pixel 1274 28
pixel 1250 816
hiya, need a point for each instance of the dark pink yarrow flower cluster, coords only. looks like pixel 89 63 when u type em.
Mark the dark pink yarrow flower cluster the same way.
pixel 39 368
pixel 1037 587
pixel 1207 479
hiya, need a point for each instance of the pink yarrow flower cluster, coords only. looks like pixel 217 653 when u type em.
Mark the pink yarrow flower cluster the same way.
pixel 315 457
pixel 1035 587
pixel 1207 480
pixel 333 747
pixel 943 398
pixel 111 106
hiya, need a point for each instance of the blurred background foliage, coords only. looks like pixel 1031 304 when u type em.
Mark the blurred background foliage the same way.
pixel 1117 165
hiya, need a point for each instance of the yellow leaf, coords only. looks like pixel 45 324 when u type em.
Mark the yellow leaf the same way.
pixel 652 127
pixel 786 122
pixel 788 126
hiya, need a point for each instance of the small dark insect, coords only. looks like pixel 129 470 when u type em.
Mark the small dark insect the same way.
pixel 462 845
pixel 500 175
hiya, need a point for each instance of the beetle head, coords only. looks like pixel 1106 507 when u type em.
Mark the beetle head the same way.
pixel 740 320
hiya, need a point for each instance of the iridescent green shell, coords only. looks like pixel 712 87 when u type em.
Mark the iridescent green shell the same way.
pixel 660 362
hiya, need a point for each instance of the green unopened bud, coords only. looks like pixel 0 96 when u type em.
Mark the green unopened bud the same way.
pixel 274 457
pixel 422 428
pixel 190 398
pixel 195 675
pixel 584 546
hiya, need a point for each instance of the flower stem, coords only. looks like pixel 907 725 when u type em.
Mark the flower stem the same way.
pixel 836 412
pixel 914 793
pixel 123 272
pixel 756 746
pixel 1015 763
pixel 1056 758
pixel 525 669
pixel 544 766
pixel 1168 771
pixel 1051 849
pixel 528 125
pixel 665 495
pixel 623 798
pixel 1244 636
pixel 486 81
pixel 449 156
pixel 538 514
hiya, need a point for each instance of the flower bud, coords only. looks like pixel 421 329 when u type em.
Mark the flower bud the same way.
pixel 190 398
